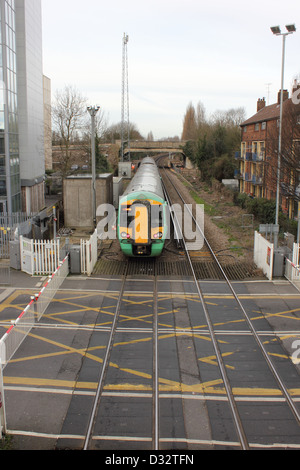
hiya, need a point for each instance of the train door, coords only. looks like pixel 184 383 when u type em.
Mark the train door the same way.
pixel 141 225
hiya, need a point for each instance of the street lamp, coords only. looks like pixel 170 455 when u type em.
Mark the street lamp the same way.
pixel 277 31
pixel 93 111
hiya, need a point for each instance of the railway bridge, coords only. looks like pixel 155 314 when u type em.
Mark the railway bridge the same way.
pixel 173 148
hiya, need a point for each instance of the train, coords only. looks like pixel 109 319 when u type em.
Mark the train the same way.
pixel 142 217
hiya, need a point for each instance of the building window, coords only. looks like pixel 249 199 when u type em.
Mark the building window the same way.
pixel 257 127
pixel 10 184
pixel 243 150
pixel 263 126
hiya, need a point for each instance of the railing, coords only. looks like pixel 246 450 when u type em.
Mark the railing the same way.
pixel 258 157
pixel 16 334
pixel 257 180
pixel 8 225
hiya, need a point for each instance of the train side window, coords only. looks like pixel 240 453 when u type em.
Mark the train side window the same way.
pixel 156 216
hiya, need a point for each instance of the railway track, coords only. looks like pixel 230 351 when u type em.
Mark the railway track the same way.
pixel 152 367
pixel 160 360
pixel 203 269
pixel 173 260
pixel 228 384
pixel 151 415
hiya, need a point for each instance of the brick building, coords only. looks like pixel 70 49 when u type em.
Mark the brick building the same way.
pixel 258 161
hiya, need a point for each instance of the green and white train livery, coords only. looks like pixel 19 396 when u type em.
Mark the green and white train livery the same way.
pixel 142 222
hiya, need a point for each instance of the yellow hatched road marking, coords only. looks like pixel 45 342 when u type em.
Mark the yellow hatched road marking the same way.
pixel 165 385
pixel 212 387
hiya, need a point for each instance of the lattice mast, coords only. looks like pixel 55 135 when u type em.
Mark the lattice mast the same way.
pixel 125 124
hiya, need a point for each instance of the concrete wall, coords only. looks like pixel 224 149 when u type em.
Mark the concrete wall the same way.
pixel 78 198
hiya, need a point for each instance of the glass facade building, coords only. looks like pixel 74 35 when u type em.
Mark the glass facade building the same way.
pixel 22 152
pixel 10 178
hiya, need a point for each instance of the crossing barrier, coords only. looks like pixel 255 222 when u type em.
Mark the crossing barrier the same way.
pixel 18 331
pixel 34 311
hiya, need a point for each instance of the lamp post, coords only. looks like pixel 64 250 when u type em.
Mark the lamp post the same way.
pixel 93 111
pixel 277 31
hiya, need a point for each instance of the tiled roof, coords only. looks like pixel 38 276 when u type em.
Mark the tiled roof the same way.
pixel 268 113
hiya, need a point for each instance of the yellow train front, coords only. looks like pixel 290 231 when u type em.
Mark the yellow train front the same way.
pixel 142 222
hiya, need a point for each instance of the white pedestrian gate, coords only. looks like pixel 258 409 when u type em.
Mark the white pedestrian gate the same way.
pixel 296 254
pixel 89 254
pixel 39 257
pixel 264 255
pixel 292 268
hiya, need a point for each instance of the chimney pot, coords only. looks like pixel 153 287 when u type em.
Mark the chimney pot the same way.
pixel 285 95
pixel 261 103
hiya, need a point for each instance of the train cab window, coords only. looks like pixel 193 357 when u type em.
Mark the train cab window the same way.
pixel 156 216
pixel 126 216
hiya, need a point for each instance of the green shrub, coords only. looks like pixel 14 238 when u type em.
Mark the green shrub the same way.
pixel 262 209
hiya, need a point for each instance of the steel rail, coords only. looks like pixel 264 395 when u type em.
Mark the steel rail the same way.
pixel 249 322
pixel 106 361
pixel 105 364
pixel 237 420
pixel 155 368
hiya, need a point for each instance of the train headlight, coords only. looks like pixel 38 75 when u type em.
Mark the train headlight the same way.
pixel 125 235
pixel 158 236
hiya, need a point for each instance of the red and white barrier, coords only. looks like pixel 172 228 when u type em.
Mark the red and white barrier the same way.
pixel 34 311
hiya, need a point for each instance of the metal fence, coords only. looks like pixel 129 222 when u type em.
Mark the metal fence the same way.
pixel 9 225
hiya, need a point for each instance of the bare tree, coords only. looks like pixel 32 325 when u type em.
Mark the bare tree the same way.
pixel 68 111
pixel 200 116
pixel 150 137
pixel 229 118
pixel 189 124
pixel 113 132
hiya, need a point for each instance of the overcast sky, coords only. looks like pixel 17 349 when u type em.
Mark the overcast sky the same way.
pixel 219 52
